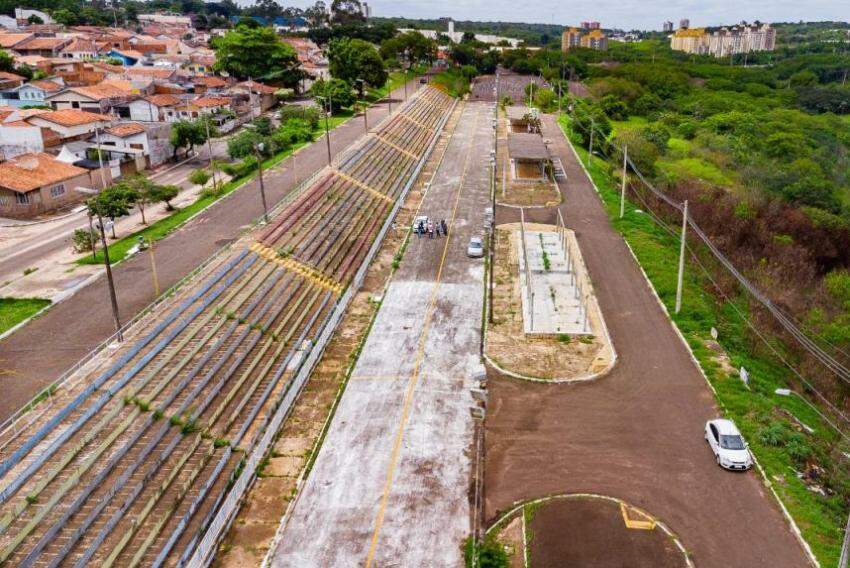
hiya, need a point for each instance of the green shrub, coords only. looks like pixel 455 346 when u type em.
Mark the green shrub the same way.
pixel 774 434
pixel 82 239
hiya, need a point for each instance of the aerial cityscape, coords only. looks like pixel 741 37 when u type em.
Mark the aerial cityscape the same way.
pixel 349 283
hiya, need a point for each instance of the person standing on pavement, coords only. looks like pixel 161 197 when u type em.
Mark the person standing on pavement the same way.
pixel 445 228
pixel 430 230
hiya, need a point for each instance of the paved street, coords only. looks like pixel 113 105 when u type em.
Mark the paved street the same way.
pixel 391 483
pixel 37 354
pixel 637 433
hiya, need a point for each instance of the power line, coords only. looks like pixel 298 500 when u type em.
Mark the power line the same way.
pixel 786 322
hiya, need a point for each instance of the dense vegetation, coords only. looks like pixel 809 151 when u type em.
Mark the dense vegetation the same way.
pixel 766 174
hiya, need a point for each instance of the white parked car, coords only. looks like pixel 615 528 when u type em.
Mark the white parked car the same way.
pixel 421 220
pixel 730 449
pixel 475 249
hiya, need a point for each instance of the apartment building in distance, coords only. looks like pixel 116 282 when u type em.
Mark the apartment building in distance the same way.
pixel 743 38
pixel 593 39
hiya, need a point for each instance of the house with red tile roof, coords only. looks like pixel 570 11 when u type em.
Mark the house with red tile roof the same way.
pixel 36 183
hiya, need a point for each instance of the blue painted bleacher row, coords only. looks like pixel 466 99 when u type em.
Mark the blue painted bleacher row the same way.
pixel 136 480
pixel 31 442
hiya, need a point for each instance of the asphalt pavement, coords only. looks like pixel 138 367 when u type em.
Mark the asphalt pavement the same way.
pixel 636 433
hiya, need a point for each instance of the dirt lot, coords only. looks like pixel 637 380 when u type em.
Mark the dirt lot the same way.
pixel 586 532
pixel 545 357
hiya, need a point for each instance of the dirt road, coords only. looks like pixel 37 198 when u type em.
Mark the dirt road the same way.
pixel 637 433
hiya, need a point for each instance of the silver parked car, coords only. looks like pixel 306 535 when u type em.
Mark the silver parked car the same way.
pixel 475 249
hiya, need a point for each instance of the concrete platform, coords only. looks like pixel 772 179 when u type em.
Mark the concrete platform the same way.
pixel 390 484
pixel 557 299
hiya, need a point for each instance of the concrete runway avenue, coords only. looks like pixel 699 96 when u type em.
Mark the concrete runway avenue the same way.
pixel 390 484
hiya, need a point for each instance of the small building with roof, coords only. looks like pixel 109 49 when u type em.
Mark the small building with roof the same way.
pixel 32 184
pixel 529 156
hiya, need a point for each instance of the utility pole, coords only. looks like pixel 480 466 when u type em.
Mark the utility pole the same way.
pixel 209 148
pixel 328 132
pixel 92 239
pixel 113 299
pixel 682 257
pixel 259 149
pixel 153 269
pixel 623 187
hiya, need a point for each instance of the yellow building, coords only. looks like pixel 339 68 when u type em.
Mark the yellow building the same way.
pixel 694 40
pixel 570 38
pixel 595 40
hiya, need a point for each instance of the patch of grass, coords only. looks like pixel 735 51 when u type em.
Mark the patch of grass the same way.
pixel 679 148
pixel 693 168
pixel 631 123
pixel 15 310
pixel 28 271
pixel 821 519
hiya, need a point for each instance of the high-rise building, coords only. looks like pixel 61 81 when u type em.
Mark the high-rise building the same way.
pixel 590 25
pixel 595 40
pixel 690 41
pixel 367 10
pixel 725 41
pixel 667 27
pixel 684 24
pixel 570 38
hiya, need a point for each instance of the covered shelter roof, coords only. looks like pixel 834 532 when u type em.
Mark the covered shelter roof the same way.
pixel 523 146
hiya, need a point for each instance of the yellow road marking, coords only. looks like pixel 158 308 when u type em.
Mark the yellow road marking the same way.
pixel 635 523
pixel 414 378
pixel 395 146
pixel 416 122
pixel 362 186
pixel 307 271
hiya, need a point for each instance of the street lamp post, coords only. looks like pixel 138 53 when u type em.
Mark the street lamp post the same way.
pixel 328 131
pixel 259 149
pixel 209 148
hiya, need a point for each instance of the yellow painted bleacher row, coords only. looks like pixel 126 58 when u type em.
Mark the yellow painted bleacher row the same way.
pixel 300 268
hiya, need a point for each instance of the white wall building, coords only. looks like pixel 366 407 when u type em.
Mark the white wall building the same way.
pixel 24 14
pixel 457 36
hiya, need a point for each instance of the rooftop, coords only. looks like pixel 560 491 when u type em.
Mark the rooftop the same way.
pixel 32 171
pixel 73 117
pixel 523 146
pixel 126 129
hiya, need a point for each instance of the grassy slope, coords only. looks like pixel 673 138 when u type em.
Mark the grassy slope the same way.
pixel 15 310
pixel 821 519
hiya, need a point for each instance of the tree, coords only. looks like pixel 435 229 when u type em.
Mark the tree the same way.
pixel 353 59
pixel 347 12
pixel 112 202
pixel 187 134
pixel 243 144
pixel 337 91
pixel 468 37
pixel 199 177
pixel 418 48
pixel 257 53
pixel 136 189
pixel 317 14
pixel 6 62
pixel 35 19
pixel 164 194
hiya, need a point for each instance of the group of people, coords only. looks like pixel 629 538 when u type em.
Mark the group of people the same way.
pixel 431 228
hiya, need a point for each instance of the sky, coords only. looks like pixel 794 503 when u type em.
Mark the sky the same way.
pixel 626 14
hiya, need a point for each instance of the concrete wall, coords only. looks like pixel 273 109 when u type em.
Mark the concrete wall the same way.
pixel 17 140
